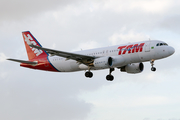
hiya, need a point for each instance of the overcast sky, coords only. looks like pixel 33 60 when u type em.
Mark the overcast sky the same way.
pixel 71 25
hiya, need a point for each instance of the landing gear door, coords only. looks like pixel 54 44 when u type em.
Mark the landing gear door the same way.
pixel 147 46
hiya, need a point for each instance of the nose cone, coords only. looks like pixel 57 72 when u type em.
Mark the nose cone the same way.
pixel 171 50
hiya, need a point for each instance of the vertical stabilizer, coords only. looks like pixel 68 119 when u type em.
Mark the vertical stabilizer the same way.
pixel 32 52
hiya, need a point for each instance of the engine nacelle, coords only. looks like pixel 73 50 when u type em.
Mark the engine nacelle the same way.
pixel 117 61
pixel 133 68
pixel 103 62
pixel 109 62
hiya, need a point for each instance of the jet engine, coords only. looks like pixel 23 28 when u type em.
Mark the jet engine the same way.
pixel 103 62
pixel 118 61
pixel 133 68
pixel 109 62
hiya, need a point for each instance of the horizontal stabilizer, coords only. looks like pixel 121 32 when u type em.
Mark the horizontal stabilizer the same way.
pixel 23 61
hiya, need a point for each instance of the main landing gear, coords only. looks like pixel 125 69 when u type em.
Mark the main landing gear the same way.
pixel 152 64
pixel 89 74
pixel 110 77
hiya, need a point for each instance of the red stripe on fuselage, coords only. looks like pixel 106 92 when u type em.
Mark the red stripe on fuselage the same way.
pixel 43 64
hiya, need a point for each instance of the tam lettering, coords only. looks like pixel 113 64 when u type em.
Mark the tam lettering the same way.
pixel 131 48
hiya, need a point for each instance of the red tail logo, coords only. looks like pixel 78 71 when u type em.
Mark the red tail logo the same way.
pixel 32 52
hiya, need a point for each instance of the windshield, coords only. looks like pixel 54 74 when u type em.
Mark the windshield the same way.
pixel 162 44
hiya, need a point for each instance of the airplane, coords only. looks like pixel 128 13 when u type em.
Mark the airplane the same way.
pixel 127 57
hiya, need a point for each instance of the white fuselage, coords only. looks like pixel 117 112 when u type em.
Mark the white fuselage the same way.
pixel 130 53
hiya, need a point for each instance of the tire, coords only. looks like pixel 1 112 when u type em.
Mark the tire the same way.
pixel 153 69
pixel 89 74
pixel 109 77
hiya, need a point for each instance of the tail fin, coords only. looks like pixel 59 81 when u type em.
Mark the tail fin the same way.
pixel 32 52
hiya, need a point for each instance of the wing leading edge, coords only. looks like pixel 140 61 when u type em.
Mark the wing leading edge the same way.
pixel 85 59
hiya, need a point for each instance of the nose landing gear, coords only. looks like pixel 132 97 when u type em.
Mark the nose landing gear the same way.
pixel 152 64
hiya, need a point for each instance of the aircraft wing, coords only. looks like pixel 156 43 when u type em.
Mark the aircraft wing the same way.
pixel 23 61
pixel 85 59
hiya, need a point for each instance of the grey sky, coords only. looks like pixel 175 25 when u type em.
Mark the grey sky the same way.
pixel 82 24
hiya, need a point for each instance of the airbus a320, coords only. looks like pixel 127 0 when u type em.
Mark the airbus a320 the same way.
pixel 127 57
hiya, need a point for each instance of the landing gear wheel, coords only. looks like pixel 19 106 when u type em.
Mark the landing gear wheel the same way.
pixel 152 64
pixel 89 74
pixel 110 77
pixel 153 69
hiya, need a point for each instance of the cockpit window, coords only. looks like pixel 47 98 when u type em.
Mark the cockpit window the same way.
pixel 166 44
pixel 162 44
